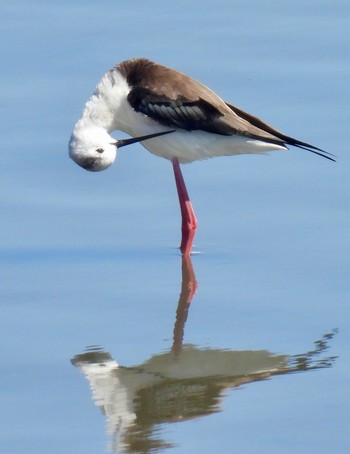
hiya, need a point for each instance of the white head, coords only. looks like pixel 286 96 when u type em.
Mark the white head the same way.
pixel 94 149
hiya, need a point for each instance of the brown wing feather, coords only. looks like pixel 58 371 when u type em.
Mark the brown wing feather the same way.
pixel 174 99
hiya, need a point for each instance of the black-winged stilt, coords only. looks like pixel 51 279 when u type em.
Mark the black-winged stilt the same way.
pixel 179 119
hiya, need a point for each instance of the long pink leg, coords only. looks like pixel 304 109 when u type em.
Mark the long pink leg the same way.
pixel 189 220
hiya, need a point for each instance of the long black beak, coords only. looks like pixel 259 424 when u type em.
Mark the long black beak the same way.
pixel 124 142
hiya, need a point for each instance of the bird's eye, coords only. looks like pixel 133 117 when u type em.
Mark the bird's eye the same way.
pixel 99 150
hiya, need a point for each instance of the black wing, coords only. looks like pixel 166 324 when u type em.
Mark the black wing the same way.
pixel 202 115
pixel 179 113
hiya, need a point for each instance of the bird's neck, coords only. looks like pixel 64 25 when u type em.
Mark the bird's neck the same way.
pixel 103 108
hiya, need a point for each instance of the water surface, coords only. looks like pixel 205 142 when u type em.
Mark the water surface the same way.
pixel 91 274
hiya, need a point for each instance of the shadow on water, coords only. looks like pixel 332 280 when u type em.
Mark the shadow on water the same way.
pixel 184 383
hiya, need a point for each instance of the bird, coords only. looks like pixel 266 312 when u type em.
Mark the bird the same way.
pixel 173 116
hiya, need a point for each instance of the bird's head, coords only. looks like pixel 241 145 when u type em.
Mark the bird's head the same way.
pixel 94 149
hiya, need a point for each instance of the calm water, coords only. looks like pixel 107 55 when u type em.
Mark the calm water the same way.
pixel 106 345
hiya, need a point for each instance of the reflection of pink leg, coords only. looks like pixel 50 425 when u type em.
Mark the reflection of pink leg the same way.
pixel 189 281
pixel 189 221
pixel 188 289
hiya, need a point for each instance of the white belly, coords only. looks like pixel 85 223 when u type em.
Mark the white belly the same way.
pixel 188 146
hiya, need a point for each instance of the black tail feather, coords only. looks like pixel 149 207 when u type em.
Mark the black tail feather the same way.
pixel 308 147
pixel 283 139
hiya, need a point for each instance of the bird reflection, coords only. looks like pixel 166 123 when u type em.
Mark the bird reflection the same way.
pixel 183 383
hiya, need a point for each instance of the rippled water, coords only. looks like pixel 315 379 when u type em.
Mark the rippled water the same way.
pixel 243 348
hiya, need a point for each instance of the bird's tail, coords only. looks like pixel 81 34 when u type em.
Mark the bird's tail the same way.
pixel 278 137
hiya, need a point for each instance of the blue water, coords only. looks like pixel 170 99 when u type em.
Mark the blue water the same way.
pixel 89 263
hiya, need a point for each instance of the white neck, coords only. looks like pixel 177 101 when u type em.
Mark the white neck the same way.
pixel 104 107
